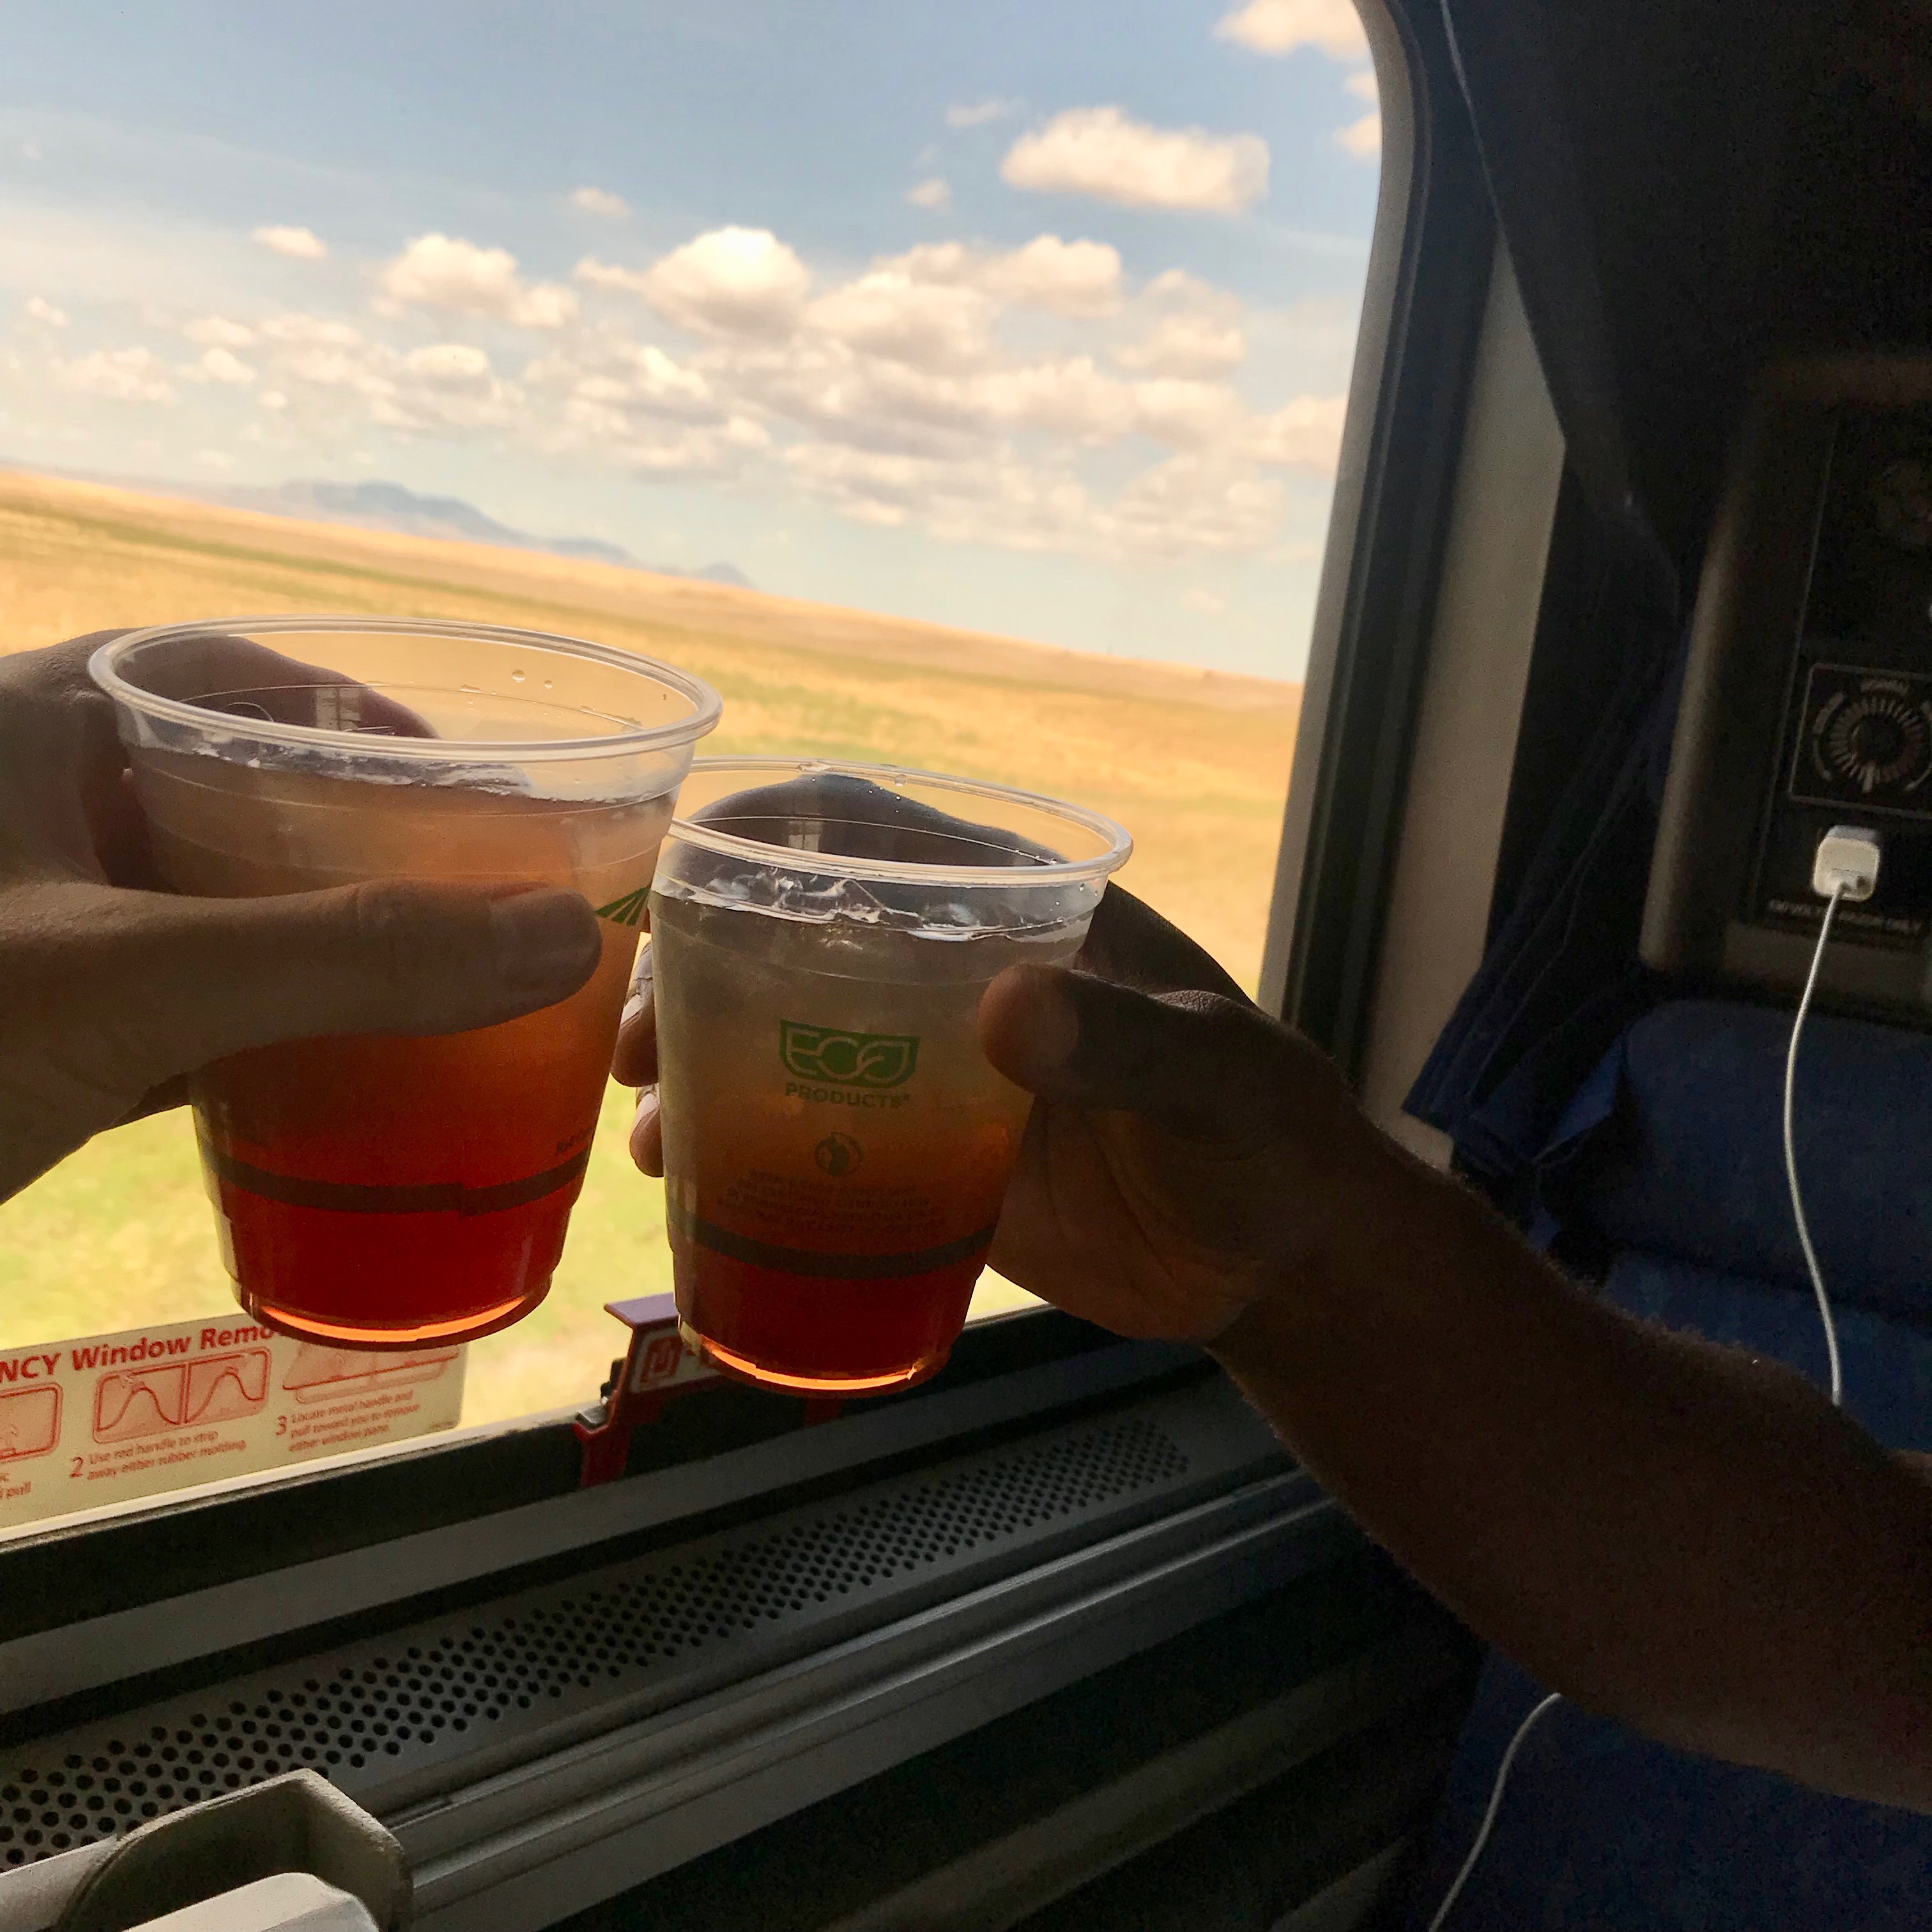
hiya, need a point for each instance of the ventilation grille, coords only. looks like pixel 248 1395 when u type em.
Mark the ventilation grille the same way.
pixel 438 1703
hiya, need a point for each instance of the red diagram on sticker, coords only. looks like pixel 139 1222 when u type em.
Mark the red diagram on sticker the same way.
pixel 144 1402
pixel 326 1375
pixel 662 1359
pixel 29 1422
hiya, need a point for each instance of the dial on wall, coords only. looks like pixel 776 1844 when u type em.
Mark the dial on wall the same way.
pixel 1867 740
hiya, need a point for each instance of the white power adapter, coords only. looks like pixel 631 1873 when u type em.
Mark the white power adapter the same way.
pixel 1846 865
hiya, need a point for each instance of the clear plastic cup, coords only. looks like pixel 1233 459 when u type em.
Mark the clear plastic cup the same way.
pixel 381 1191
pixel 836 1146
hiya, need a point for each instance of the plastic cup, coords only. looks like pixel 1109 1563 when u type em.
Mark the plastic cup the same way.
pixel 836 1146
pixel 384 1191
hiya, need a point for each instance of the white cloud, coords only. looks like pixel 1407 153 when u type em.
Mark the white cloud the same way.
pixel 1071 398
pixel 932 192
pixel 929 324
pixel 816 383
pixel 216 331
pixel 872 488
pixel 608 375
pixel 444 271
pixel 359 370
pixel 600 201
pixel 31 150
pixel 1304 434
pixel 1195 503
pixel 729 282
pixel 214 459
pixel 631 405
pixel 1209 603
pixel 1187 415
pixel 1033 397
pixel 598 274
pixel 37 308
pixel 455 363
pixel 892 397
pixel 1177 285
pixel 1363 138
pixel 1074 278
pixel 321 372
pixel 1070 278
pixel 299 244
pixel 1187 345
pixel 120 375
pixel 1333 27
pixel 1187 505
pixel 310 329
pixel 446 385
pixel 976 113
pixel 1100 152
pixel 222 365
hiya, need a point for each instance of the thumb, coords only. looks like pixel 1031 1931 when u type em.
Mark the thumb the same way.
pixel 1199 1064
pixel 215 976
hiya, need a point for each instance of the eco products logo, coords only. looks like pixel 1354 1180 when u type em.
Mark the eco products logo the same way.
pixel 847 1059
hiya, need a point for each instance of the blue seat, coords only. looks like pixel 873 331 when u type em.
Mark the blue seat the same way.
pixel 1670 1161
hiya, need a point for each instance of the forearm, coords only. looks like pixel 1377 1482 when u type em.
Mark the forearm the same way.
pixel 1672 1534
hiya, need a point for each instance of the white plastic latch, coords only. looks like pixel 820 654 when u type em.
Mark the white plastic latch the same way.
pixel 287 1902
pixel 1846 863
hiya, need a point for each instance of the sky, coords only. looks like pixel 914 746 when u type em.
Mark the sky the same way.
pixel 1033 319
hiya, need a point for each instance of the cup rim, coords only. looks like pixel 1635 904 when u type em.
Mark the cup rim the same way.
pixel 103 667
pixel 834 864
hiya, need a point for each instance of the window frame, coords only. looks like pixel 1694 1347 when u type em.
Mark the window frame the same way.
pixel 89 1609
pixel 1422 313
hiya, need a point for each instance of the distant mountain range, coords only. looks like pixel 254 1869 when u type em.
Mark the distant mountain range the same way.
pixel 389 506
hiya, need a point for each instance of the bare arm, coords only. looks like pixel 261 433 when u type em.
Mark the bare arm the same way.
pixel 1671 1533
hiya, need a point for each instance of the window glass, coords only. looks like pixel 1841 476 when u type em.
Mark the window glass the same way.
pixel 955 387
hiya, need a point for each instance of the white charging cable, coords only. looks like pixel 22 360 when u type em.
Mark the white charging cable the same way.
pixel 1488 1825
pixel 1845 868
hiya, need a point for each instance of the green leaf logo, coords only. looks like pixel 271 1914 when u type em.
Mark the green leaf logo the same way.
pixel 628 910
pixel 848 1059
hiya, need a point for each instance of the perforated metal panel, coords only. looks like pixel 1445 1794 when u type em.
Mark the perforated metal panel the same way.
pixel 428 1707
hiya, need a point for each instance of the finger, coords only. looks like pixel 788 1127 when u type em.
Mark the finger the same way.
pixel 63 810
pixel 212 977
pixel 59 670
pixel 1212 1068
pixel 1129 942
pixel 635 1062
pixel 647 1133
pixel 235 675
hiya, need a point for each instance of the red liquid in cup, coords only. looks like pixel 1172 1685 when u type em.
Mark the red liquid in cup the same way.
pixel 390 1191
pixel 384 1191
pixel 836 1146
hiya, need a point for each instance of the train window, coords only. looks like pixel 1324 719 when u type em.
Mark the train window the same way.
pixel 961 389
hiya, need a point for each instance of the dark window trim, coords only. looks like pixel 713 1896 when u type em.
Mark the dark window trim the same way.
pixel 1373 623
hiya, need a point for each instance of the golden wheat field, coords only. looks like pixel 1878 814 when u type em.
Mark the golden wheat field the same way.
pixel 1196 764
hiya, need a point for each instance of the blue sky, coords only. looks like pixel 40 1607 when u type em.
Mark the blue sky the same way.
pixel 1036 320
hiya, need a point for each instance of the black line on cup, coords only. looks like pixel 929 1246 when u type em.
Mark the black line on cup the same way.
pixel 448 1197
pixel 832 1268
